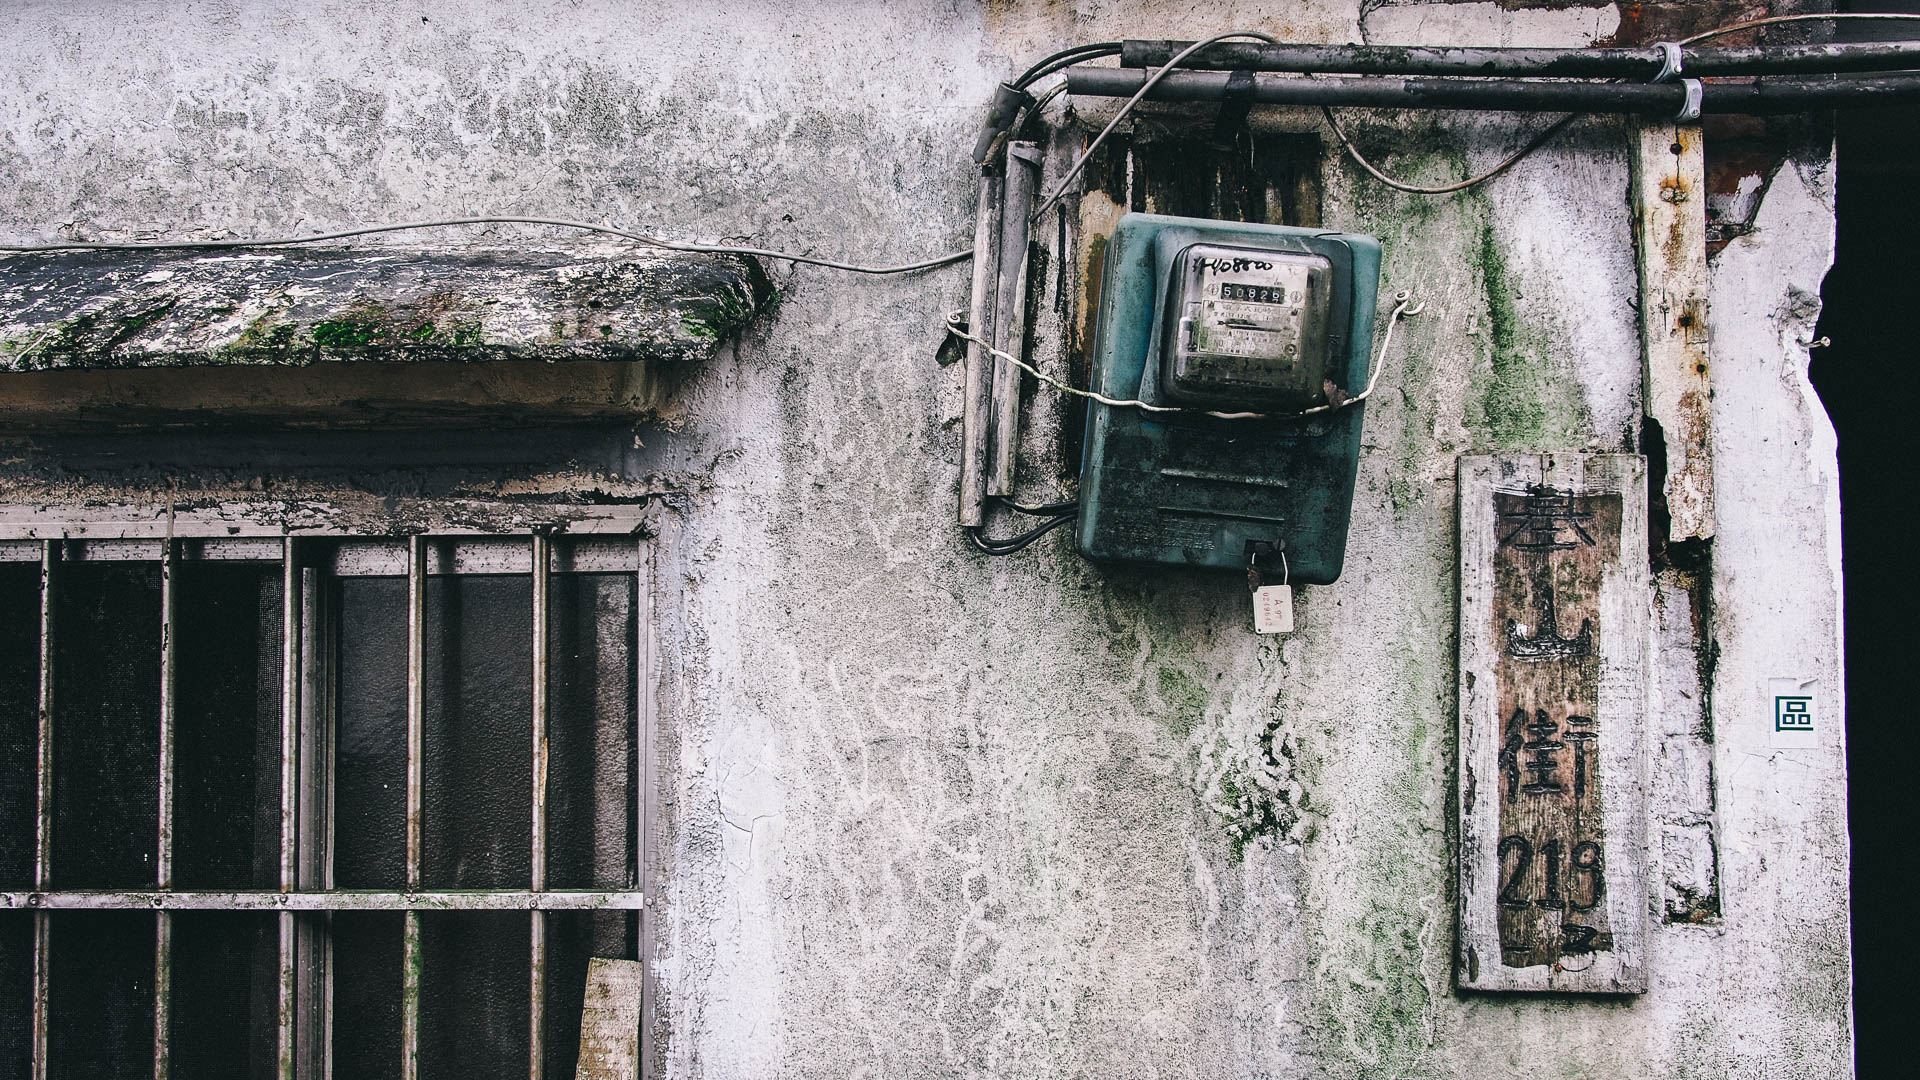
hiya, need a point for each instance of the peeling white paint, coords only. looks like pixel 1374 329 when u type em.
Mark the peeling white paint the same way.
pixel 1423 23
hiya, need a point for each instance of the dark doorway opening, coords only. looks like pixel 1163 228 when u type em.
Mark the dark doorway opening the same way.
pixel 1869 378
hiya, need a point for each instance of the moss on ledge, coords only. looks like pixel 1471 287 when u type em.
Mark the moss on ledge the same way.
pixel 299 306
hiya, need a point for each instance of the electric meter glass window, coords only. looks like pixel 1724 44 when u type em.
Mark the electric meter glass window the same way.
pixel 1247 326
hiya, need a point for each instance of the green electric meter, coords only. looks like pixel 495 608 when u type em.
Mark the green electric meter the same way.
pixel 1216 318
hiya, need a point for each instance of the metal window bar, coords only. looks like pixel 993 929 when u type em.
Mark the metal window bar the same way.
pixel 537 955
pixel 416 712
pixel 163 861
pixel 312 719
pixel 645 788
pixel 305 898
pixel 43 810
pixel 288 1003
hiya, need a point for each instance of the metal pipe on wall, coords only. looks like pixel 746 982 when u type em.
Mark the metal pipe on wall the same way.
pixel 1010 316
pixel 1642 63
pixel 1784 95
pixel 980 308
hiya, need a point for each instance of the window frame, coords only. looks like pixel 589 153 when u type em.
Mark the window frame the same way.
pixel 447 537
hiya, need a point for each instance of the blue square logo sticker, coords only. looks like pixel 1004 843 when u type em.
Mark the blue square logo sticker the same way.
pixel 1794 705
pixel 1792 712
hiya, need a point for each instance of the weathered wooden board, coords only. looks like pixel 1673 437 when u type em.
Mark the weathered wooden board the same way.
pixel 324 335
pixel 1553 637
pixel 1670 241
pixel 610 1021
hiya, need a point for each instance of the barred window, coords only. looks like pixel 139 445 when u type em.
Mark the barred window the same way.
pixel 314 805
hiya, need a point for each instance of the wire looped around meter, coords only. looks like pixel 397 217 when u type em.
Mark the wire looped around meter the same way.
pixel 1403 307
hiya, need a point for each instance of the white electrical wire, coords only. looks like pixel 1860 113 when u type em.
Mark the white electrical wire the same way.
pixel 1750 24
pixel 1533 144
pixel 1555 128
pixel 1139 95
pixel 955 328
pixel 1403 307
pixel 640 238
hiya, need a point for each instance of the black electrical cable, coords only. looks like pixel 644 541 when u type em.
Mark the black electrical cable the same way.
pixel 1041 510
pixel 1011 544
pixel 1066 58
pixel 1012 97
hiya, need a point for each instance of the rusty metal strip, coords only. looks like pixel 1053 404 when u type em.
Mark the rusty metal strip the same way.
pixel 43 792
pixel 537 962
pixel 416 719
pixel 541 608
pixel 537 1000
pixel 416 688
pixel 43 808
pixel 162 993
pixel 646 719
pixel 410 998
pixel 328 900
pixel 163 861
pixel 318 1055
pixel 287 1001
pixel 290 676
pixel 1670 231
pixel 42 934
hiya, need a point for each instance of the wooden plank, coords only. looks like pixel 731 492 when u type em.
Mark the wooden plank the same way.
pixel 610 1021
pixel 1553 637
pixel 361 336
pixel 1670 240
pixel 981 310
pixel 294 306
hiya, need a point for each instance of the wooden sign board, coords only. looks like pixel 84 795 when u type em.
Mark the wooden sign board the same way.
pixel 1553 636
pixel 610 1021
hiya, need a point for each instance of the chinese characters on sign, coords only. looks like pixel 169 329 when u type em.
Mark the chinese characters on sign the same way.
pixel 1551 548
pixel 1554 593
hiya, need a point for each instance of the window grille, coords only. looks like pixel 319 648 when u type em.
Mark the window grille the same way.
pixel 281 746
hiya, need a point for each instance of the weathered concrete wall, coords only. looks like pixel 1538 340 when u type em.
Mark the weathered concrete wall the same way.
pixel 931 814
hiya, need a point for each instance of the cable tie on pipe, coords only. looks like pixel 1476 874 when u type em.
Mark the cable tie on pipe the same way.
pixel 1690 108
pixel 1670 60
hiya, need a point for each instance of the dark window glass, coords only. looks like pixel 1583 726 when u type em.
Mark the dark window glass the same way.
pixel 367 955
pixel 16 994
pixel 224 1004
pixel 473 993
pixel 106 725
pixel 100 994
pixel 477 733
pixel 19 720
pixel 592 710
pixel 228 621
pixel 370 799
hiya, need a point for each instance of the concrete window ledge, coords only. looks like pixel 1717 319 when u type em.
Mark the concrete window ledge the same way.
pixel 356 337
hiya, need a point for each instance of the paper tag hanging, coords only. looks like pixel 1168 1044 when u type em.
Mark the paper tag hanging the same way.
pixel 1273 609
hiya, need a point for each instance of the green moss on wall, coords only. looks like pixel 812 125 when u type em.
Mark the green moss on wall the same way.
pixel 354 333
pixel 1529 400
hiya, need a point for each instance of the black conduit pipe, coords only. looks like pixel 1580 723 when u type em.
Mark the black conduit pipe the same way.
pixel 1642 64
pixel 1782 95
